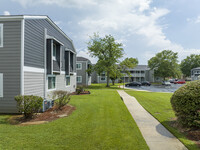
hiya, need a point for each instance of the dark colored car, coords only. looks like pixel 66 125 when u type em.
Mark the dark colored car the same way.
pixel 146 83
pixel 179 82
pixel 133 84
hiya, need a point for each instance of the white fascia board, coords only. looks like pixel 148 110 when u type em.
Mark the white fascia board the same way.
pixel 67 49
pixel 51 37
pixel 33 69
pixel 35 17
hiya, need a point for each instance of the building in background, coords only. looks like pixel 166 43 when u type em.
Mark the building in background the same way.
pixel 195 73
pixel 139 73
pixel 83 77
pixel 36 58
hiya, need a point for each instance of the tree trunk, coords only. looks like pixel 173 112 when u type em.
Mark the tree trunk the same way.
pixel 113 82
pixel 108 78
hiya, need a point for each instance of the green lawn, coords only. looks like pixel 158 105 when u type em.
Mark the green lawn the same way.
pixel 158 104
pixel 101 121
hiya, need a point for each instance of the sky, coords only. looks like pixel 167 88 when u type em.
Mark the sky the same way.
pixel 144 27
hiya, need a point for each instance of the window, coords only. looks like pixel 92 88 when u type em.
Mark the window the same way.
pixel 1 35
pixel 78 66
pixel 54 51
pixel 51 82
pixel 1 85
pixel 103 77
pixel 79 79
pixel 67 80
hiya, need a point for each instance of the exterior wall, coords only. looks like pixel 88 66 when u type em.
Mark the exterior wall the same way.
pixel 34 83
pixel 61 84
pixel 34 41
pixel 34 56
pixel 195 73
pixel 82 73
pixel 10 59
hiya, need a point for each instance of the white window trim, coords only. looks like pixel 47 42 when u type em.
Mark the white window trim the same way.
pixel 69 81
pixel 80 66
pixel 80 79
pixel 1 28
pixel 48 83
pixel 102 77
pixel 1 85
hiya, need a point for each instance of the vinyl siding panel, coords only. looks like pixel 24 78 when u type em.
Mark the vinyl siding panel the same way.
pixel 10 58
pixel 61 84
pixel 34 41
pixel 82 73
pixel 34 84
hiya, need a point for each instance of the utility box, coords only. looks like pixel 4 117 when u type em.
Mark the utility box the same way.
pixel 47 104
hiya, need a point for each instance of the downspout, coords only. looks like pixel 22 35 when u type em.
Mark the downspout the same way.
pixel 22 58
pixel 45 63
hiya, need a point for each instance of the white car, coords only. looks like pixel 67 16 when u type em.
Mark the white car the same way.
pixel 167 83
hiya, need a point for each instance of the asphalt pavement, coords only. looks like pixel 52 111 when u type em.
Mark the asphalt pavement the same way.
pixel 158 88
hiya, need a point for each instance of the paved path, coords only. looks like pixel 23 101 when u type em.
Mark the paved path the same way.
pixel 155 134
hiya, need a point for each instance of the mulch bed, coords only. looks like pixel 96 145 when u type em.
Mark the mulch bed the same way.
pixel 82 93
pixel 191 134
pixel 49 115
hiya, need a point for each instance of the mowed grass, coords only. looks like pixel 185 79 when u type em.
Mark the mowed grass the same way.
pixel 158 104
pixel 100 121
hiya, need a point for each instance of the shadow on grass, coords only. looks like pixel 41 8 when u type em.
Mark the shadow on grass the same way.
pixel 103 86
pixel 176 129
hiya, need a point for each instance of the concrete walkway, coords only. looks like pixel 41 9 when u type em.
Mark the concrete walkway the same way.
pixel 155 134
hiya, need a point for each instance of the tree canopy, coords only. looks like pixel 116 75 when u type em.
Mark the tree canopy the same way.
pixel 190 62
pixel 108 52
pixel 165 64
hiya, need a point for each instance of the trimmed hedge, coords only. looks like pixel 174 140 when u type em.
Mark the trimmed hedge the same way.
pixel 186 104
pixel 29 104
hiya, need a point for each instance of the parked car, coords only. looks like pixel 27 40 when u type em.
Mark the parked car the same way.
pixel 172 80
pixel 133 84
pixel 179 82
pixel 166 83
pixel 146 83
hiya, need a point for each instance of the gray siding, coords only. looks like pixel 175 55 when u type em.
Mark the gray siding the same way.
pixel 61 84
pixel 34 41
pixel 34 83
pixel 82 73
pixel 10 58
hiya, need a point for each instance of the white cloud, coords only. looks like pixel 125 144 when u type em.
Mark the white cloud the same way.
pixel 124 18
pixel 84 53
pixel 194 20
pixel 6 13
pixel 61 3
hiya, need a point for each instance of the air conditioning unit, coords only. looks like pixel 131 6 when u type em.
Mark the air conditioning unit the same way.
pixel 47 103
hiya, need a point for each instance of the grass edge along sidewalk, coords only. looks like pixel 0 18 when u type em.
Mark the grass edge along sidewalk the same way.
pixel 158 104
pixel 101 121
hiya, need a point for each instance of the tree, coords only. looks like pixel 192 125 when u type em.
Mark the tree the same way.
pixel 190 62
pixel 165 64
pixel 118 70
pixel 115 73
pixel 107 50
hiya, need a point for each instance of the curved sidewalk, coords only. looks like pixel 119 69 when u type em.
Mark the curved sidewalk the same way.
pixel 155 134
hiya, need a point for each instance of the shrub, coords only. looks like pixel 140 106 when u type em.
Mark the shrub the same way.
pixel 80 89
pixel 186 104
pixel 61 98
pixel 29 104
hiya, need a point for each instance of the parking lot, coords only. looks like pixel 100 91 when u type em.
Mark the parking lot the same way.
pixel 158 88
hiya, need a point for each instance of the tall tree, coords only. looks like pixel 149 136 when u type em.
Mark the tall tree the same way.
pixel 190 62
pixel 107 50
pixel 165 64
pixel 120 70
pixel 128 63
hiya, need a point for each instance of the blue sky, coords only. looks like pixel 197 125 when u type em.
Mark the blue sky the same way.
pixel 145 27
